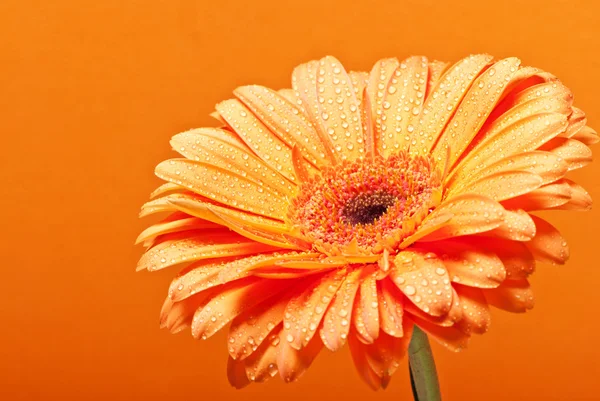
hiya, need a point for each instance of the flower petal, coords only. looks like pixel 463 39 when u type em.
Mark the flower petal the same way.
pixel 441 104
pixel 225 187
pixel 293 363
pixel 471 214
pixel 214 273
pixel 474 109
pixel 526 135
pixel 424 280
pixel 573 152
pixel 366 313
pixel 577 121
pixel 476 316
pixel 580 199
pixel 391 308
pixel 249 329
pixel 236 373
pixel 262 364
pixel 452 338
pixel 304 312
pixel 339 116
pixel 386 353
pixel 587 136
pixel 513 296
pixel 503 185
pixel 286 120
pixel 516 258
pixel 175 223
pixel 240 296
pixel 401 105
pixel 446 320
pixel 548 246
pixel 436 71
pixel 546 165
pixel 206 244
pixel 468 263
pixel 358 350
pixel 336 322
pixel 549 196
pixel 517 225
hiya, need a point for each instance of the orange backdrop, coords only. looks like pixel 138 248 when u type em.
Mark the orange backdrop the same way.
pixel 91 92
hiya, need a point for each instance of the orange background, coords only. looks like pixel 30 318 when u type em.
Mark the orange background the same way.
pixel 91 92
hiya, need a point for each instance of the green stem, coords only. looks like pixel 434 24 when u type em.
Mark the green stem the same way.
pixel 423 376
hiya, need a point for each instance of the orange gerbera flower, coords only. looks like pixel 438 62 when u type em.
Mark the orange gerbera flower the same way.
pixel 357 205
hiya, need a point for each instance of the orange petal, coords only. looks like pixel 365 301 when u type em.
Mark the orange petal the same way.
pixel 236 373
pixel 524 136
pixel 240 296
pixel 175 223
pixel 386 353
pixel 580 199
pixel 177 316
pixel 238 159
pixel 264 143
pixel 358 350
pixel 424 280
pixel 503 185
pixel 468 263
pixel 391 308
pixel 339 115
pixel 436 70
pixel 517 225
pixel 474 109
pixel 513 296
pixel 441 104
pixel 188 247
pixel 262 364
pixel 305 311
pixel 449 319
pixel 225 187
pixel 401 107
pixel 252 327
pixel 516 258
pixel 573 152
pixel 336 322
pixel 548 245
pixel 577 121
pixel 546 165
pixel 211 274
pixel 476 316
pixel 549 196
pixel 471 214
pixel 587 136
pixel 285 119
pixel 366 312
pixel 293 363
pixel 452 338
pixel 167 188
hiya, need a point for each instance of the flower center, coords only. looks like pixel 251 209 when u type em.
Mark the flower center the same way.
pixel 366 206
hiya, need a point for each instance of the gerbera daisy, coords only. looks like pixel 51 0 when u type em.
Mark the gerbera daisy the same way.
pixel 358 206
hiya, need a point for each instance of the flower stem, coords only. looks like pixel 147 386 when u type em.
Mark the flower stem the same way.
pixel 423 376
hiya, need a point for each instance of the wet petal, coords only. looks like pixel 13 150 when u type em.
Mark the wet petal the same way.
pixel 513 296
pixel 336 323
pixel 262 364
pixel 391 308
pixel 358 350
pixel 471 214
pixel 304 312
pixel 587 136
pixel 293 363
pixel 549 196
pixel 548 245
pixel 175 223
pixel 468 263
pixel 187 247
pixel 224 187
pixel 236 373
pixel 445 97
pixel 386 353
pixel 517 225
pixel 503 185
pixel 580 199
pixel 401 105
pixel 476 316
pixel 474 109
pixel 573 152
pixel 452 338
pixel 366 313
pixel 423 278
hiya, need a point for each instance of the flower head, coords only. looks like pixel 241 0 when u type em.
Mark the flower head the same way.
pixel 357 205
